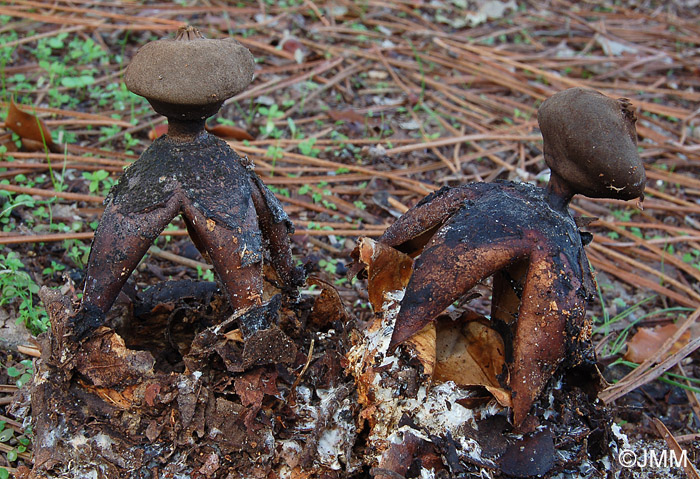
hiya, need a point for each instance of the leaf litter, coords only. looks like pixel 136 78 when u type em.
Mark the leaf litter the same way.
pixel 477 89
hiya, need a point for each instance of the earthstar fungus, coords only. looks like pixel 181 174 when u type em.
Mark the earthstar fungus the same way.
pixel 525 237
pixel 230 214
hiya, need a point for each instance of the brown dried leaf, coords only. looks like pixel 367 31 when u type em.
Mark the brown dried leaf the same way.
pixel 210 466
pixel 121 400
pixel 347 115
pixel 399 456
pixel 229 132
pixel 253 385
pixel 269 346
pixel 470 353
pixel 6 141
pixel 226 132
pixel 236 336
pixel 423 344
pixel 107 362
pixel 155 427
pixel 291 45
pixel 28 126
pixel 299 473
pixel 158 131
pixel 328 306
pixel 387 269
pixel 152 391
pixel 327 370
pixel 648 340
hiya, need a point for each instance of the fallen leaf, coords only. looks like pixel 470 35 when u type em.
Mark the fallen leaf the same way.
pixel 471 353
pixel 423 346
pixel 28 127
pixel 400 455
pixel 106 361
pixel 409 125
pixel 647 341
pixel 210 466
pixel 229 132
pixel 158 131
pixel 490 10
pixel 328 306
pixel 253 385
pixel 236 336
pixel 347 115
pixel 6 141
pixel 388 270
pixel 226 132
pixel 327 370
pixel 291 45
pixel 151 394
pixel 614 48
pixel 121 400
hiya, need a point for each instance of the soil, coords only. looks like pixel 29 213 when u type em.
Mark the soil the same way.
pixel 357 110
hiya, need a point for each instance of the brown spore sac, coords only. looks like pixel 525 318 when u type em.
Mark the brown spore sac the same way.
pixel 590 144
pixel 189 77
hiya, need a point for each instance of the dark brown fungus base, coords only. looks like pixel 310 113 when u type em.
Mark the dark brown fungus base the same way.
pixel 231 216
pixel 526 239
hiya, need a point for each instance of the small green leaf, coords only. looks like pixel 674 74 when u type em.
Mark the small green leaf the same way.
pixel 6 435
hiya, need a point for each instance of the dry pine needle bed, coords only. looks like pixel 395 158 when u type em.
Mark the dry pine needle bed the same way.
pixel 357 110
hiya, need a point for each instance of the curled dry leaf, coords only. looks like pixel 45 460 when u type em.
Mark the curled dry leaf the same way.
pixel 467 351
pixel 158 131
pixel 647 341
pixel 471 353
pixel 107 362
pixel 229 132
pixel 236 336
pixel 30 128
pixel 387 270
pixel 406 416
pixel 328 306
pixel 253 385
pixel 226 132
pixel 423 345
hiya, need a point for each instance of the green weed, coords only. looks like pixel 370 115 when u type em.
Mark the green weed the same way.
pixel 18 287
pixel 99 181
pixel 17 443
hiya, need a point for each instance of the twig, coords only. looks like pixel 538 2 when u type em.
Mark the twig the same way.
pixel 463 139
pixel 29 351
pixel 52 193
pixel 25 456
pixel 176 258
pixel 666 435
pixel 293 389
pixel 49 238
